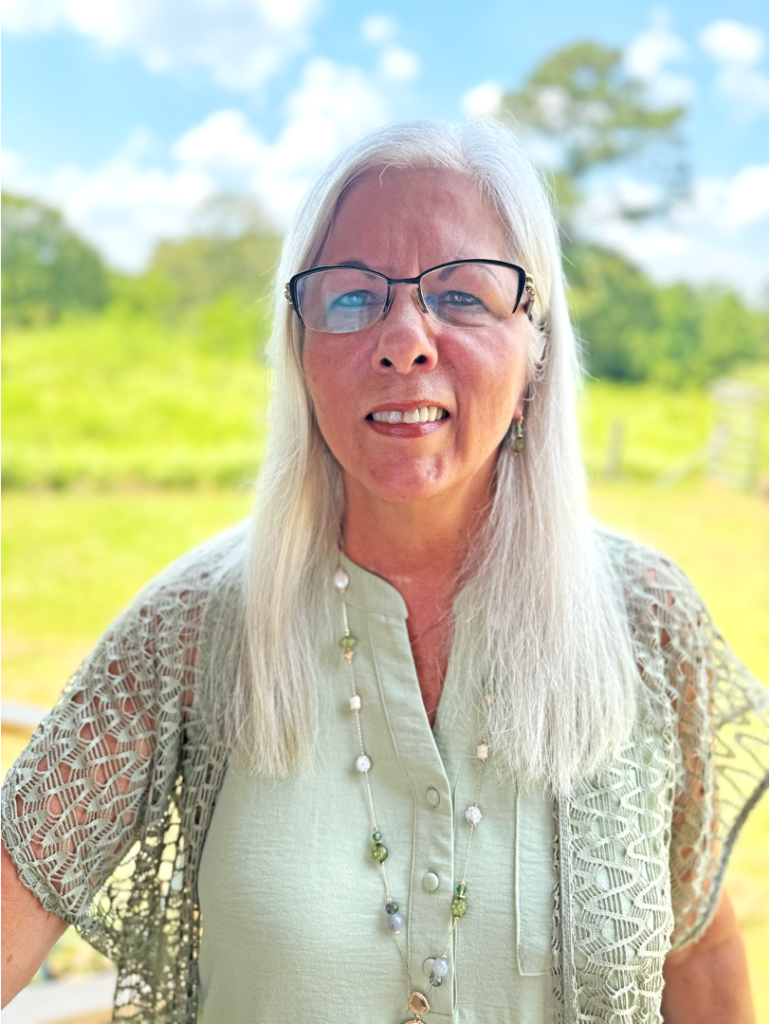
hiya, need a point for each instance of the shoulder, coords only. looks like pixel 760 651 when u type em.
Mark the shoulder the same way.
pixel 196 582
pixel 178 623
pixel 651 581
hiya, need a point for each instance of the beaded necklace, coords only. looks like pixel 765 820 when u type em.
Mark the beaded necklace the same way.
pixel 417 1002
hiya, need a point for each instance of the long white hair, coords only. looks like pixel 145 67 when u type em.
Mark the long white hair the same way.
pixel 542 616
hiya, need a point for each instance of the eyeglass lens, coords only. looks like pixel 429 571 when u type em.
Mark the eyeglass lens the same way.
pixel 345 299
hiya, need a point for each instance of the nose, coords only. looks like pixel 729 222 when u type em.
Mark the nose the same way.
pixel 405 335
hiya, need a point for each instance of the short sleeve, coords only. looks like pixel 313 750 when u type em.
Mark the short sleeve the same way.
pixel 721 719
pixel 75 799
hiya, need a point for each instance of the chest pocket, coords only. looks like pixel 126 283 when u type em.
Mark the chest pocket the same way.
pixel 534 881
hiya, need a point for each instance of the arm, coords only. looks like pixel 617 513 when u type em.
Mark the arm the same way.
pixel 29 932
pixel 708 981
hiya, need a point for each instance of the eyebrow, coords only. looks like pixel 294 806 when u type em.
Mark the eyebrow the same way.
pixel 353 263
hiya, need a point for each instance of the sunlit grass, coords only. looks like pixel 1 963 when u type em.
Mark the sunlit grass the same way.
pixel 658 428
pixel 71 561
pixel 108 400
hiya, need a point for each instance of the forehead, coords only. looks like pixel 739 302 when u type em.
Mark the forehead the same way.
pixel 397 219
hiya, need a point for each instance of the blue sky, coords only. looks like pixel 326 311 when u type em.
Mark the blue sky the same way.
pixel 128 113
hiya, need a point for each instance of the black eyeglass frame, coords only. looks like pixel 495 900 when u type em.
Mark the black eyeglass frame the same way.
pixel 526 283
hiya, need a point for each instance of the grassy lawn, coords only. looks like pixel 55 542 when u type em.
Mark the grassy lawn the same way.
pixel 108 400
pixel 72 560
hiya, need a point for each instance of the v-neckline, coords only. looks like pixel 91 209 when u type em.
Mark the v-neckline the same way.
pixel 452 732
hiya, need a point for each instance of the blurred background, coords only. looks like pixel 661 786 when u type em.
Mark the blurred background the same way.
pixel 154 153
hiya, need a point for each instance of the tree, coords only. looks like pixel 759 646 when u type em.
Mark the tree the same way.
pixel 613 307
pixel 674 335
pixel 215 281
pixel 584 109
pixel 46 267
pixel 583 114
pixel 231 248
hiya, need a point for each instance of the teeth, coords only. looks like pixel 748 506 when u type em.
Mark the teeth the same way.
pixel 425 414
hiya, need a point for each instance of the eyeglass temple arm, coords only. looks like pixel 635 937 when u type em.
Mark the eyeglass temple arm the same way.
pixel 529 288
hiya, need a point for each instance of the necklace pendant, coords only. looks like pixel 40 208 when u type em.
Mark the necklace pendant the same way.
pixel 418 1004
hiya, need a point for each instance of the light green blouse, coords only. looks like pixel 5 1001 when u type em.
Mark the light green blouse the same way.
pixel 292 901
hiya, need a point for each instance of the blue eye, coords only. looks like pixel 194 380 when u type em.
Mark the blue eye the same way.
pixel 458 299
pixel 456 307
pixel 352 300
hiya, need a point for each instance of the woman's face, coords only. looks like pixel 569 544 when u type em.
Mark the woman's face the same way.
pixel 401 223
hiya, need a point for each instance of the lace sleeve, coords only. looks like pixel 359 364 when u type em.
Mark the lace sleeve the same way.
pixel 74 800
pixel 721 711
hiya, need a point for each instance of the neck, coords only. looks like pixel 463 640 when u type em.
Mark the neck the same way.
pixel 418 546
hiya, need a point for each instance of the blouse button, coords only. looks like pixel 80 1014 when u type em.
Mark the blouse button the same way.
pixel 433 797
pixel 430 881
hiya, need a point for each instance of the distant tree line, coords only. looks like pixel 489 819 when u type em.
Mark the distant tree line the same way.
pixel 46 268
pixel 579 103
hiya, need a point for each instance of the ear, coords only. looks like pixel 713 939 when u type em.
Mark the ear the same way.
pixel 518 409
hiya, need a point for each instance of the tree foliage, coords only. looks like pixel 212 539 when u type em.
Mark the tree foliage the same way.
pixel 673 335
pixel 216 281
pixel 46 267
pixel 584 108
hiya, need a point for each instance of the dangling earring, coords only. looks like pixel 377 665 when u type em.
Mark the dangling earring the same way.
pixel 519 441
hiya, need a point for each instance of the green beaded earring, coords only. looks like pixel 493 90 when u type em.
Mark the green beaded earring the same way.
pixel 519 441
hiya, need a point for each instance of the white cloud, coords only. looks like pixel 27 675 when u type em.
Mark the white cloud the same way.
pixel 736 48
pixel 332 105
pixel 120 206
pixel 12 167
pixel 240 43
pixel 482 100
pixel 23 16
pixel 735 202
pixel 223 143
pixel 397 64
pixel 125 205
pixel 648 55
pixel 747 87
pixel 378 28
pixel 732 42
pixel 718 234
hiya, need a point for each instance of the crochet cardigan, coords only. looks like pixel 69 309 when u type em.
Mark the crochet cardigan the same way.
pixel 105 813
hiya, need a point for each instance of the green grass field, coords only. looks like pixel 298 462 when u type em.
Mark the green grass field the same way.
pixel 108 400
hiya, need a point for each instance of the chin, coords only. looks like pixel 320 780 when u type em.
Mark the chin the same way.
pixel 405 487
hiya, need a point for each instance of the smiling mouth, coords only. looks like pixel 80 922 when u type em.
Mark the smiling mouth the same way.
pixel 422 414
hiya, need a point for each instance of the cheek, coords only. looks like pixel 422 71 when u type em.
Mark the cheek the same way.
pixel 493 380
pixel 331 377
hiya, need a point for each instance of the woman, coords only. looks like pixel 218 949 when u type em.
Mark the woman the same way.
pixel 294 734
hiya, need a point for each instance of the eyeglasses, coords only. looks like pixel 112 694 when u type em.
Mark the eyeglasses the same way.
pixel 464 293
